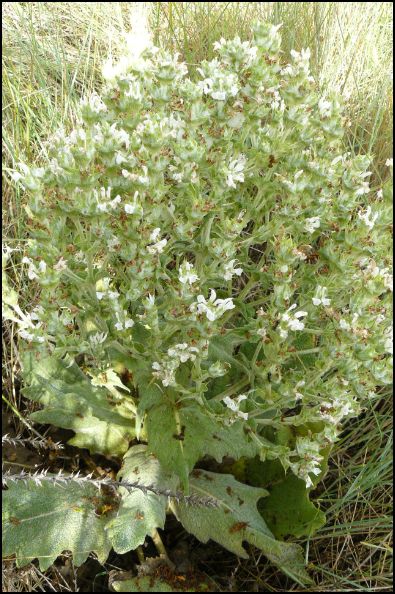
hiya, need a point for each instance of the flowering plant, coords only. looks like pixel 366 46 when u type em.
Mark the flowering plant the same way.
pixel 212 282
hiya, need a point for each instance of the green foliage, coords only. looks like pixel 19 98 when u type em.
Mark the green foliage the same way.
pixel 287 509
pixel 101 420
pixel 45 520
pixel 189 434
pixel 143 584
pixel 139 513
pixel 237 520
pixel 195 230
pixel 155 584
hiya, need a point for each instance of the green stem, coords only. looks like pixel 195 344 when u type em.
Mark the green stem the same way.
pixel 305 352
pixel 230 391
pixel 160 547
pixel 140 554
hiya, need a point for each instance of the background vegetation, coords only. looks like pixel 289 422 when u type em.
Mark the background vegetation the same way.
pixel 52 54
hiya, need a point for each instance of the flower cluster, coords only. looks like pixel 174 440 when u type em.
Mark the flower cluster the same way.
pixel 213 308
pixel 208 224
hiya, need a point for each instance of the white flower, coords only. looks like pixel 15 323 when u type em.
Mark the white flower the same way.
pixel 165 372
pixel 30 337
pixel 134 208
pixel 261 332
pixel 213 308
pixel 177 354
pixel 113 242
pixel 117 200
pixel 325 107
pixel 312 224
pixel 320 297
pixel 388 281
pixel 60 265
pixel 344 325
pixel 219 95
pixel 379 194
pixel 37 312
pixel 230 404
pixel 155 234
pixel 149 302
pixel 123 322
pixel 389 340
pixel 98 338
pixel 389 162
pixel 292 321
pixel 33 270
pixel 126 174
pixel 230 270
pixel 157 248
pixel 363 189
pixel 120 136
pixel 104 201
pixel 178 176
pixel 234 405
pixel 104 290
pixel 295 324
pixel 367 217
pixel 95 103
pixel 183 352
pixel 298 395
pixel 119 158
pixel 299 254
pixel 310 459
pixel 31 273
pixel 283 333
pixel 337 409
pixel 187 274
pixel 235 171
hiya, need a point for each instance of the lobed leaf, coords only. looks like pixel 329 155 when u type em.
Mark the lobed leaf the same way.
pixel 139 513
pixel 70 401
pixel 236 520
pixel 43 521
pixel 287 509
pixel 189 434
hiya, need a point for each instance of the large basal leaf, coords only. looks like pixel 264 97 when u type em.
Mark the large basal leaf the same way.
pixel 139 514
pixel 44 521
pixel 142 584
pixel 287 510
pixel 101 423
pixel 154 584
pixel 236 519
pixel 189 434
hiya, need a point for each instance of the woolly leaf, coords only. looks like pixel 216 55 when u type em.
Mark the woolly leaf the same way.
pixel 190 433
pixel 142 584
pixel 287 510
pixel 139 513
pixel 101 422
pixel 155 584
pixel 236 520
pixel 44 521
